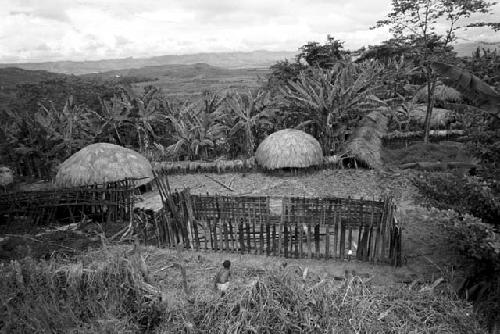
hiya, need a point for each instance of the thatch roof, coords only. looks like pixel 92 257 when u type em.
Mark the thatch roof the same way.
pixel 289 148
pixel 439 116
pixel 442 93
pixel 103 162
pixel 366 141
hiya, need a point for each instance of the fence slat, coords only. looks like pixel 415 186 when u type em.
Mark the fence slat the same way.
pixel 327 232
pixel 342 238
pixel 254 231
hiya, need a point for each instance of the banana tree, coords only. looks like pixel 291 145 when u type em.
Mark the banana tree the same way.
pixel 196 131
pixel 148 111
pixel 332 101
pixel 116 118
pixel 487 102
pixel 248 112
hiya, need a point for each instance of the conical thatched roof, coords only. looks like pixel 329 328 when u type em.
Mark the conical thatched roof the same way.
pixel 103 162
pixel 366 141
pixel 289 148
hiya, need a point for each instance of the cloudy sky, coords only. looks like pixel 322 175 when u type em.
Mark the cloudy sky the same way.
pixel 46 30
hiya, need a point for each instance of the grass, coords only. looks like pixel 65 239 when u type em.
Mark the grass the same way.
pixel 92 295
pixel 113 291
pixel 431 152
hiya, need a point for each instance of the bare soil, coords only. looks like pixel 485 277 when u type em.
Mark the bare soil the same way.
pixel 428 252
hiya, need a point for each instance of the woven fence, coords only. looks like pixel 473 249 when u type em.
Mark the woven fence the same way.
pixel 102 202
pixel 322 228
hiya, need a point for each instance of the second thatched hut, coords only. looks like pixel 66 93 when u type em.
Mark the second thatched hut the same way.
pixel 289 148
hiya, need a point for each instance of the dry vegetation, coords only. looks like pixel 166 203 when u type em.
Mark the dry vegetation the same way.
pixel 113 290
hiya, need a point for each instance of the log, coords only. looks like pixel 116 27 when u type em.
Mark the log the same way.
pixel 426 165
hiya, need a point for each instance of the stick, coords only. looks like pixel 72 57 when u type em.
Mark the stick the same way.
pixel 37 240
pixel 217 181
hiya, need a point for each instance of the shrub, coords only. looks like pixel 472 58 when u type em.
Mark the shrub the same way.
pixel 480 246
pixel 460 193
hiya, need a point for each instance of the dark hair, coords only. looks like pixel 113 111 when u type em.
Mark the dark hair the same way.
pixel 226 264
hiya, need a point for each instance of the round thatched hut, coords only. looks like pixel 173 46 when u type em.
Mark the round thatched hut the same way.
pixel 103 162
pixel 289 148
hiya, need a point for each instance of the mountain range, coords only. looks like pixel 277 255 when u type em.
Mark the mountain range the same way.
pixel 229 60
pixel 222 60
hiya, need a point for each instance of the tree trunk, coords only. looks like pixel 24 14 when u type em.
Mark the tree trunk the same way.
pixel 431 88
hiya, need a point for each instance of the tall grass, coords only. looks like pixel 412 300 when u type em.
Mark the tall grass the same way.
pixel 112 291
pixel 283 302
pixel 98 296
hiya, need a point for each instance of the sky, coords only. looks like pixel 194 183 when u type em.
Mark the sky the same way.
pixel 53 30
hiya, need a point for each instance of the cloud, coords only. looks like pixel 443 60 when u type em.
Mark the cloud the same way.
pixel 93 29
pixel 50 9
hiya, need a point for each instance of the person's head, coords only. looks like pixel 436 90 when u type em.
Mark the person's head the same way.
pixel 226 264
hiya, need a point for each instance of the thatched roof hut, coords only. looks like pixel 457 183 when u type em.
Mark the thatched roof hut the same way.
pixel 289 148
pixel 439 116
pixel 366 141
pixel 442 93
pixel 103 162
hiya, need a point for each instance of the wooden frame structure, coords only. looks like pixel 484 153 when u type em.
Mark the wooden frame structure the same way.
pixel 321 228
pixel 113 201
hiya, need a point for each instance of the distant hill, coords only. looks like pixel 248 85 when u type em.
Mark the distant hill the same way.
pixel 175 80
pixel 466 49
pixel 12 76
pixel 155 72
pixel 255 59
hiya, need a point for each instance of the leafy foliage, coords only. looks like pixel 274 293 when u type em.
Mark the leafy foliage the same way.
pixel 248 113
pixel 462 194
pixel 414 23
pixel 323 56
pixel 480 246
pixel 328 102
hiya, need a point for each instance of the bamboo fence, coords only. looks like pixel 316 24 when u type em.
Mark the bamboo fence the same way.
pixel 321 228
pixel 106 202
pixel 404 139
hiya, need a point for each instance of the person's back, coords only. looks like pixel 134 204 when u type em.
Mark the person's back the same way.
pixel 222 278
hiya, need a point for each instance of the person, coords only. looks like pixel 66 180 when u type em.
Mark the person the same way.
pixel 222 278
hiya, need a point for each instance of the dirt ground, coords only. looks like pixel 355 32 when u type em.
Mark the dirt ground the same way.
pixel 427 252
pixel 426 249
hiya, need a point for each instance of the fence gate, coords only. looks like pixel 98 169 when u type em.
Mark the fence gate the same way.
pixel 322 228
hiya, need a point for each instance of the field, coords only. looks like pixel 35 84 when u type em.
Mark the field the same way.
pixel 184 81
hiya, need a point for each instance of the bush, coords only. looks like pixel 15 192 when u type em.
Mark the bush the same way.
pixel 460 193
pixel 480 246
